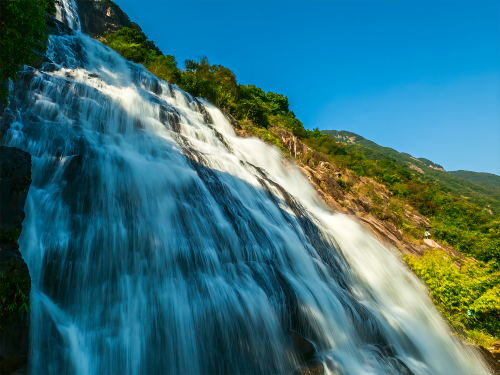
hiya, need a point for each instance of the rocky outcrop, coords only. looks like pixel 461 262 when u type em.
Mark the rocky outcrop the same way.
pixel 15 282
pixel 99 18
pixel 414 167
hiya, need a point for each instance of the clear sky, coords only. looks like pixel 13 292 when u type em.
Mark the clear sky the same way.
pixel 422 77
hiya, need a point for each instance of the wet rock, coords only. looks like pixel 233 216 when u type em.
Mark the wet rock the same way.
pixel 15 282
pixel 311 368
pixel 235 124
pixel 57 27
pixel 38 64
pixel 302 346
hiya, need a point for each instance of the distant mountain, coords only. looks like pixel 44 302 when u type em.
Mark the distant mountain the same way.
pixel 482 188
pixel 382 152
pixel 481 178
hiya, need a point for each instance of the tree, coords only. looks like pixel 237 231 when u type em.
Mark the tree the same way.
pixel 22 35
pixel 132 45
pixel 214 82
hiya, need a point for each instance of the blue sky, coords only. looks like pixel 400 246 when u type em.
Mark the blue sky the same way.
pixel 422 77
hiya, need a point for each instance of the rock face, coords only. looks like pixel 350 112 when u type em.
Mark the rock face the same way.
pixel 15 282
pixel 98 18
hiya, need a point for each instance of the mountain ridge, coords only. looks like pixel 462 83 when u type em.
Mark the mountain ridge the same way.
pixel 481 190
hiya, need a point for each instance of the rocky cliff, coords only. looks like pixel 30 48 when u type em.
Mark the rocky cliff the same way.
pixel 15 281
pixel 99 18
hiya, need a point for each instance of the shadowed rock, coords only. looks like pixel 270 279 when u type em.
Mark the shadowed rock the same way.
pixel 15 282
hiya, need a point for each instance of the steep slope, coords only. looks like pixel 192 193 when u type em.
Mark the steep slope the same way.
pixel 481 189
pixel 374 151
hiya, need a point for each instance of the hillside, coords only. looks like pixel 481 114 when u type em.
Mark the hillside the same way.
pixel 487 180
pixel 481 188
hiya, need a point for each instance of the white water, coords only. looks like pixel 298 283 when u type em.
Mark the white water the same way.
pixel 157 246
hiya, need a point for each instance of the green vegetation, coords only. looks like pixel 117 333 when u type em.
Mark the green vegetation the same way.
pixel 481 188
pixel 215 83
pixel 11 236
pixel 14 296
pixel 488 180
pixel 467 295
pixel 23 33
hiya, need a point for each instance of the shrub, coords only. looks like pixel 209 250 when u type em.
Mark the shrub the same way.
pixel 23 33
pixel 468 295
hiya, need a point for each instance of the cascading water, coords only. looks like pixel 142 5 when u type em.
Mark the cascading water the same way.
pixel 159 242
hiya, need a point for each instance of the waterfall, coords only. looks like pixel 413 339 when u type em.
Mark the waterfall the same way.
pixel 160 242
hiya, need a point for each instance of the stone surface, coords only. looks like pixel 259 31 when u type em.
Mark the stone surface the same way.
pixel 311 368
pixel 304 348
pixel 432 243
pixel 99 18
pixel 15 180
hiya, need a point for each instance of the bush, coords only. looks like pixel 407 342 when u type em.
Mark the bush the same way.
pixel 468 296
pixel 131 45
pixel 23 33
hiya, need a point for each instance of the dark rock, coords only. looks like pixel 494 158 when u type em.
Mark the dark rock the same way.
pixel 15 174
pixel 38 64
pixel 311 368
pixel 21 371
pixel 98 18
pixel 57 27
pixel 235 124
pixel 303 347
pixel 15 282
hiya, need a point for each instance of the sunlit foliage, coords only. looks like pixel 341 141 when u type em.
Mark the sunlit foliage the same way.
pixel 467 293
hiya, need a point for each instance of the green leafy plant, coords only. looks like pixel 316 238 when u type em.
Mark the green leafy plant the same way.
pixel 14 297
pixel 23 34
pixel 11 235
pixel 467 294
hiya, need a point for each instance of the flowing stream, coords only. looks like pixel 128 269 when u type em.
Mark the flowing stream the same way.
pixel 161 243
